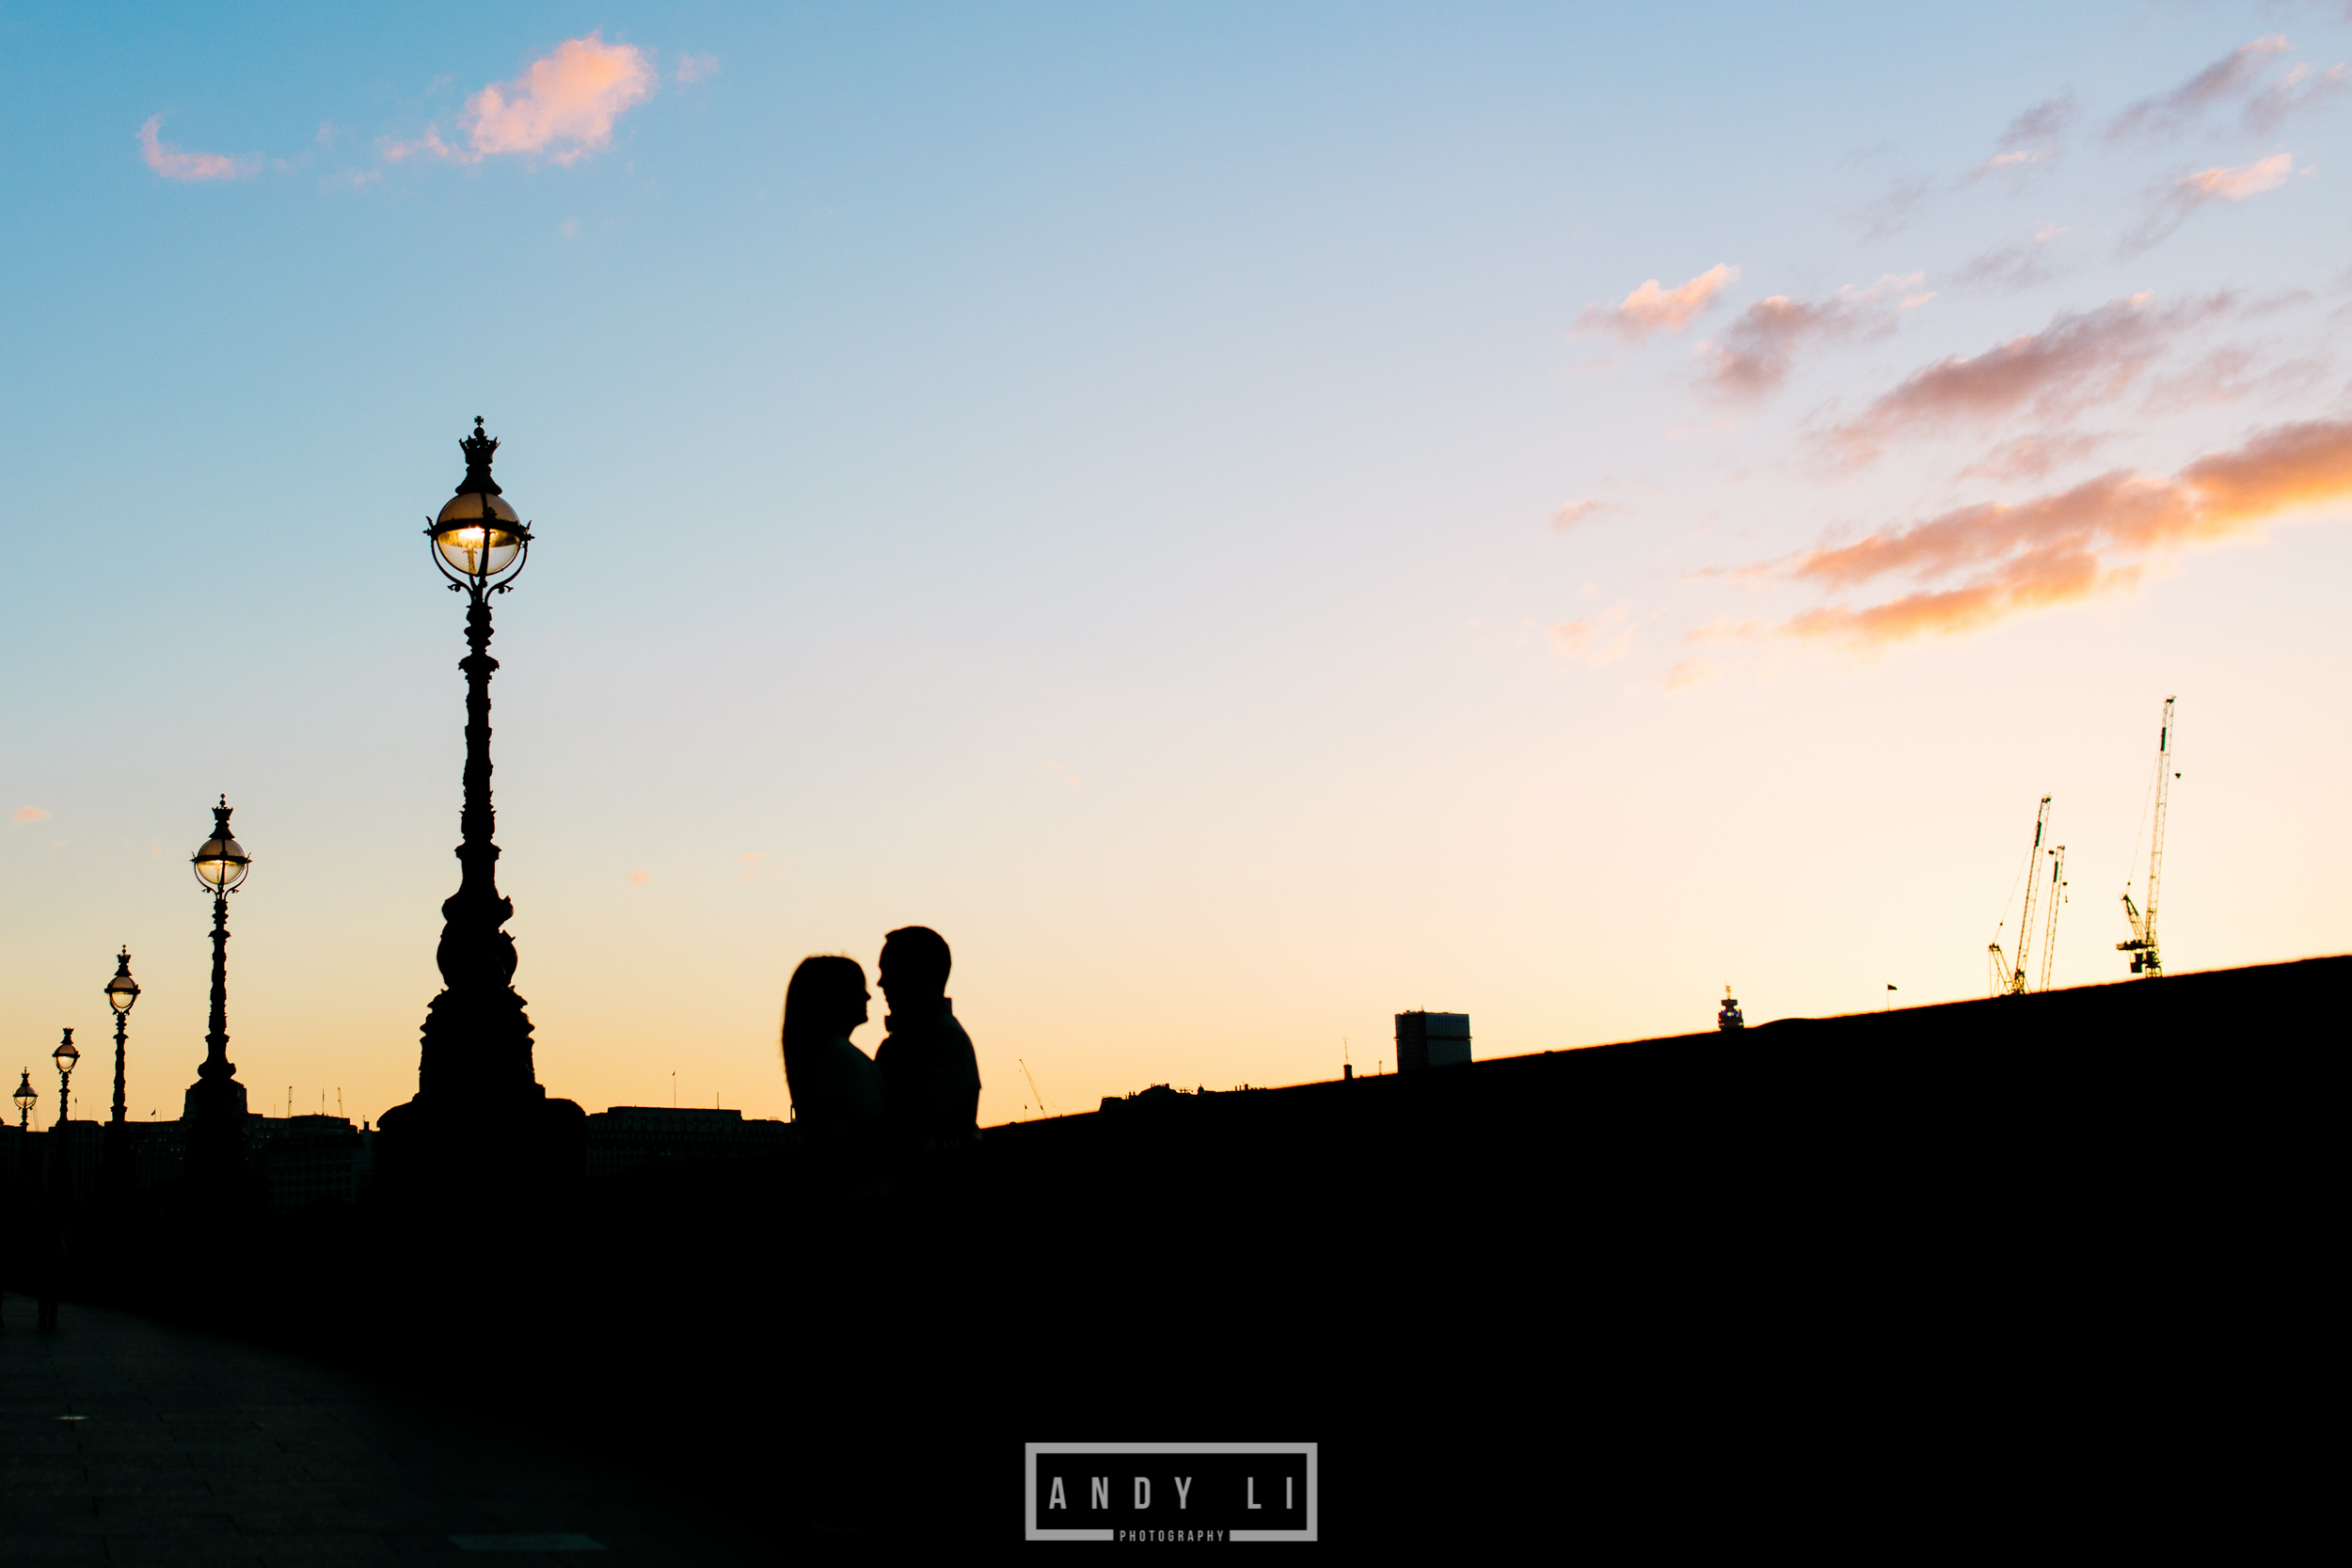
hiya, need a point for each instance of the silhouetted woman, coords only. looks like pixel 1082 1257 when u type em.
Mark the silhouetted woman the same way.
pixel 837 1090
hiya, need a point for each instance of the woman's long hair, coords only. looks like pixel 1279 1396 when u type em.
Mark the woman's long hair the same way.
pixel 820 1002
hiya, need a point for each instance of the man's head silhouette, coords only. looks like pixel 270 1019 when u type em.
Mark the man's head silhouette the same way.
pixel 915 963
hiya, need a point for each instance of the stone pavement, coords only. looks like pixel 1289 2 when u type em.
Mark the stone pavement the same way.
pixel 124 1441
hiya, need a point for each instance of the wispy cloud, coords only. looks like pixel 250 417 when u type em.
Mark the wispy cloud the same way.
pixel 1688 672
pixel 1980 565
pixel 1597 639
pixel 2012 267
pixel 639 877
pixel 2035 457
pixel 2176 200
pixel 750 863
pixel 695 68
pixel 2033 140
pixel 2169 113
pixel 1580 511
pixel 1755 353
pixel 562 108
pixel 1651 309
pixel 1889 213
pixel 2078 359
pixel 28 813
pixel 2303 88
pixel 172 164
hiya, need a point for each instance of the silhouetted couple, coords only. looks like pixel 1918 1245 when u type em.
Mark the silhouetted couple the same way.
pixel 919 1094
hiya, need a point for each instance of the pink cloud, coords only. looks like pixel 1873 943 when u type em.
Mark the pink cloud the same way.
pixel 639 876
pixel 2236 185
pixel 172 164
pixel 2031 141
pixel 1580 511
pixel 1980 565
pixel 2078 359
pixel 1597 639
pixel 2169 113
pixel 2034 456
pixel 1650 308
pixel 1689 672
pixel 1753 355
pixel 563 108
pixel 2303 88
pixel 2176 202
pixel 28 813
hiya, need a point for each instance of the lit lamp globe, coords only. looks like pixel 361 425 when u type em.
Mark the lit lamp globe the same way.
pixel 66 1055
pixel 221 863
pixel 479 540
pixel 122 991
pixel 24 1097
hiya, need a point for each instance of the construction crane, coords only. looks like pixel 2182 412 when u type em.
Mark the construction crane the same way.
pixel 2009 979
pixel 1033 1088
pixel 2146 958
pixel 2057 897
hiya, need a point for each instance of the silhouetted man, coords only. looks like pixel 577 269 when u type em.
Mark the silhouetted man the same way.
pixel 930 1077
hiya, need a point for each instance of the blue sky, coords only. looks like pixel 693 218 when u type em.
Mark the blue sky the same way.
pixel 1131 489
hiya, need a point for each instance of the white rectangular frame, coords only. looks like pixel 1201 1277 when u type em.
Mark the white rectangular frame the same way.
pixel 1028 1481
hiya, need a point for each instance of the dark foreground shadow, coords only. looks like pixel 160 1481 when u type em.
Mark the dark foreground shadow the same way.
pixel 1958 1266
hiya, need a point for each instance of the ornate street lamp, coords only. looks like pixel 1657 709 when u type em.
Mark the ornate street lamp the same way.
pixel 119 1173
pixel 65 1056
pixel 61 1162
pixel 215 1104
pixel 121 991
pixel 477 1093
pixel 24 1097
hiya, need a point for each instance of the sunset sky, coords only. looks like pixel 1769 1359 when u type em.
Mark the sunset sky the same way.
pixel 1248 518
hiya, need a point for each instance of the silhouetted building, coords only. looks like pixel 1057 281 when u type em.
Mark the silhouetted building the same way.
pixel 1432 1040
pixel 156 1150
pixel 312 1159
pixel 628 1136
pixel 85 1156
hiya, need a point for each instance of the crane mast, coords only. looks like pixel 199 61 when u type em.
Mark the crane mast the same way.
pixel 1034 1090
pixel 2009 979
pixel 2057 897
pixel 2146 957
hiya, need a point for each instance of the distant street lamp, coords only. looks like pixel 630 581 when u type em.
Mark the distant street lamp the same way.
pixel 477 1092
pixel 61 1162
pixel 118 1173
pixel 215 1104
pixel 65 1056
pixel 121 991
pixel 24 1097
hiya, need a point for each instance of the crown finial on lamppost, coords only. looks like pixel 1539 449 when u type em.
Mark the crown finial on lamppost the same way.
pixel 478 448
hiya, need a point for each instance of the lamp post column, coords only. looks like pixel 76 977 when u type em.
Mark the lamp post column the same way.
pixel 480 1124
pixel 121 991
pixel 60 1155
pixel 215 1118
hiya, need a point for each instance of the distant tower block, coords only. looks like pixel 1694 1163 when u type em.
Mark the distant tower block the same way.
pixel 1432 1040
